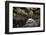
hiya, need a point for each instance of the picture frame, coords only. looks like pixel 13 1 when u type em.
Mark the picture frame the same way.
pixel 9 5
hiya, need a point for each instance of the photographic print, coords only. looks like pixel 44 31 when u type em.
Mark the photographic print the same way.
pixel 24 17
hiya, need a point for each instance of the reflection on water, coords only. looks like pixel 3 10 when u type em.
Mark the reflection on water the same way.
pixel 30 23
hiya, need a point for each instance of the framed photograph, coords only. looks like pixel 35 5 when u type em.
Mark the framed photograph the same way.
pixel 24 17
